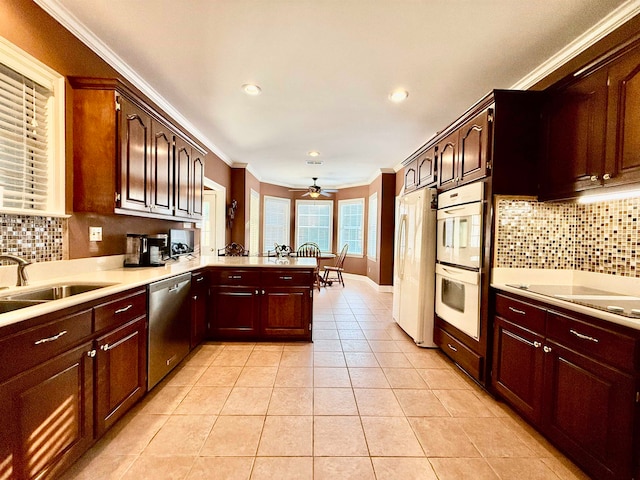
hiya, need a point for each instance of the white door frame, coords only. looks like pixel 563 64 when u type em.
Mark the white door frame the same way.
pixel 220 214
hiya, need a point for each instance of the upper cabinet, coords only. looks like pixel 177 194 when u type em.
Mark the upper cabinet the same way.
pixel 420 170
pixel 128 159
pixel 591 130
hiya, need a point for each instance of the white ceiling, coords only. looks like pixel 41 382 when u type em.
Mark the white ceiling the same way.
pixel 325 68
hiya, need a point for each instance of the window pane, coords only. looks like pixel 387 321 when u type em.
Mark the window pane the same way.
pixel 276 222
pixel 372 227
pixel 314 223
pixel 351 225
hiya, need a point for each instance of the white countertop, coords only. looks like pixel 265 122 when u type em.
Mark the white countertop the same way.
pixel 109 270
pixel 610 283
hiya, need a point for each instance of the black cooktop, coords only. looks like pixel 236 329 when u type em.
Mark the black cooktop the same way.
pixel 625 305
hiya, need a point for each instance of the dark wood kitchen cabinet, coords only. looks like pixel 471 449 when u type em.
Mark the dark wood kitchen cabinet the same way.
pixel 574 378
pixel 260 304
pixel 411 175
pixel 128 158
pixel 590 128
pixel 426 165
pixel 198 307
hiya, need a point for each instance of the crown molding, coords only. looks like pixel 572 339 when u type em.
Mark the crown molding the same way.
pixel 56 10
pixel 607 25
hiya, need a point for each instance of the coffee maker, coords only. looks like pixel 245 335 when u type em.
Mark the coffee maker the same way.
pixel 145 250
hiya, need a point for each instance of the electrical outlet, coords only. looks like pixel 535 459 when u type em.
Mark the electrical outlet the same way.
pixel 95 234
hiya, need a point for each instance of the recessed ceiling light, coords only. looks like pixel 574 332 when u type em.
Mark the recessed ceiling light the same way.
pixel 398 96
pixel 251 89
pixel 313 153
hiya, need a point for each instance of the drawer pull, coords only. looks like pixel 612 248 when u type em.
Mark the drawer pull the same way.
pixel 235 277
pixel 515 310
pixel 200 279
pixel 583 336
pixel 104 347
pixel 537 344
pixel 50 339
pixel 124 309
pixel 286 278
pixel 546 349
pixel 452 347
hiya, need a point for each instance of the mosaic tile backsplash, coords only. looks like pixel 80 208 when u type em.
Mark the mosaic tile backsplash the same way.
pixel 598 237
pixel 37 239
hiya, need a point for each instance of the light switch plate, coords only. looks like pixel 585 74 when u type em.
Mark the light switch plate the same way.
pixel 95 234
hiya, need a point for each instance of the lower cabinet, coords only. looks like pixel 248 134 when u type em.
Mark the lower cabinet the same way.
pixel 47 416
pixel 198 308
pixel 260 304
pixel 572 379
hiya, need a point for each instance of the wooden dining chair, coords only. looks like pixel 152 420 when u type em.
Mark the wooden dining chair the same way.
pixel 233 249
pixel 337 268
pixel 311 249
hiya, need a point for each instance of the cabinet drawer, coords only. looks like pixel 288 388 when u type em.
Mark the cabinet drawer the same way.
pixel 25 349
pixel 614 348
pixel 235 277
pixel 280 278
pixel 460 353
pixel 523 314
pixel 120 310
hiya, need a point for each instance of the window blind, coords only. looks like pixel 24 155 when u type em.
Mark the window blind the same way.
pixel 276 222
pixel 351 224
pixel 254 223
pixel 24 142
pixel 314 223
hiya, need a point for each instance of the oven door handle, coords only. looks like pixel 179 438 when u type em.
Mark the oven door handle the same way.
pixel 449 211
pixel 453 272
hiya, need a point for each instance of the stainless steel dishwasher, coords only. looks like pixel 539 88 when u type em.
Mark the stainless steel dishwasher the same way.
pixel 168 326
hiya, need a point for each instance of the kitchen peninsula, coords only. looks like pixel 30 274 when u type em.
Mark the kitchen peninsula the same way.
pixel 83 358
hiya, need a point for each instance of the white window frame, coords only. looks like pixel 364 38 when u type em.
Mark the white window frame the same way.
pixel 372 227
pixel 341 240
pixel 306 202
pixel 25 64
pixel 254 223
pixel 287 221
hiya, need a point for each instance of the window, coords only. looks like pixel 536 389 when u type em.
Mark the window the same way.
pixel 314 223
pixel 351 224
pixel 276 229
pixel 31 135
pixel 254 223
pixel 372 227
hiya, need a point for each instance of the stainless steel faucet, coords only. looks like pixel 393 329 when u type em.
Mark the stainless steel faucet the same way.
pixel 22 265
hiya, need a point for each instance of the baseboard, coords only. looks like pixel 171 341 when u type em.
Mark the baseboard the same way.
pixel 371 283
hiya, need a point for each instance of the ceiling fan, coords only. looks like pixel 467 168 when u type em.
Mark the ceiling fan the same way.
pixel 314 191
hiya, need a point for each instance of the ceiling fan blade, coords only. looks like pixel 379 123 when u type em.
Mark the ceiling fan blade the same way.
pixel 325 194
pixel 330 190
pixel 305 194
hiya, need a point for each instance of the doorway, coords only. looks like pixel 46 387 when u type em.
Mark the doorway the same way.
pixel 213 218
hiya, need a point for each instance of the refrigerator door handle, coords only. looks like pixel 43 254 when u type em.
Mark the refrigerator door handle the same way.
pixel 402 244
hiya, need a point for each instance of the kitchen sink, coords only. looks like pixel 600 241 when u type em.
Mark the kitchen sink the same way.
pixel 55 292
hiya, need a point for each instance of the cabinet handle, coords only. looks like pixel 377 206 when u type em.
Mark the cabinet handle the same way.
pixel 594 178
pixel 515 310
pixel 50 339
pixel 91 353
pixel 606 176
pixel 263 292
pixel 286 278
pixel 199 279
pixel 546 349
pixel 124 309
pixel 104 347
pixel 452 347
pixel 583 336
pixel 235 277
pixel 195 297
pixel 257 292
pixel 537 344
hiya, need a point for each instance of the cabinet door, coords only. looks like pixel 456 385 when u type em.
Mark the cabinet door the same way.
pixel 161 185
pixel 121 372
pixel 589 412
pixel 410 176
pixel 574 123
pixel 448 161
pixel 197 185
pixel 181 176
pixel 517 368
pixel 623 131
pixel 198 301
pixel 286 312
pixel 135 143
pixel 474 147
pixel 47 416
pixel 427 168
pixel 234 312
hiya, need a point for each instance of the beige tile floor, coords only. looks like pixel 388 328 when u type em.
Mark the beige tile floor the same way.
pixel 361 402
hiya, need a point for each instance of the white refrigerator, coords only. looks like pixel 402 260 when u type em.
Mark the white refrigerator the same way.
pixel 414 265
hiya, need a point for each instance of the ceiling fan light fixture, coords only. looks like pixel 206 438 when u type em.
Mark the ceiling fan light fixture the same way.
pixel 251 89
pixel 314 194
pixel 398 95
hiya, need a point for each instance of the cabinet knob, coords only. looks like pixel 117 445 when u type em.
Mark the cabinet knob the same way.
pixel 606 176
pixel 594 178
pixel 263 292
pixel 104 347
pixel 537 344
pixel 546 349
pixel 257 292
pixel 91 353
